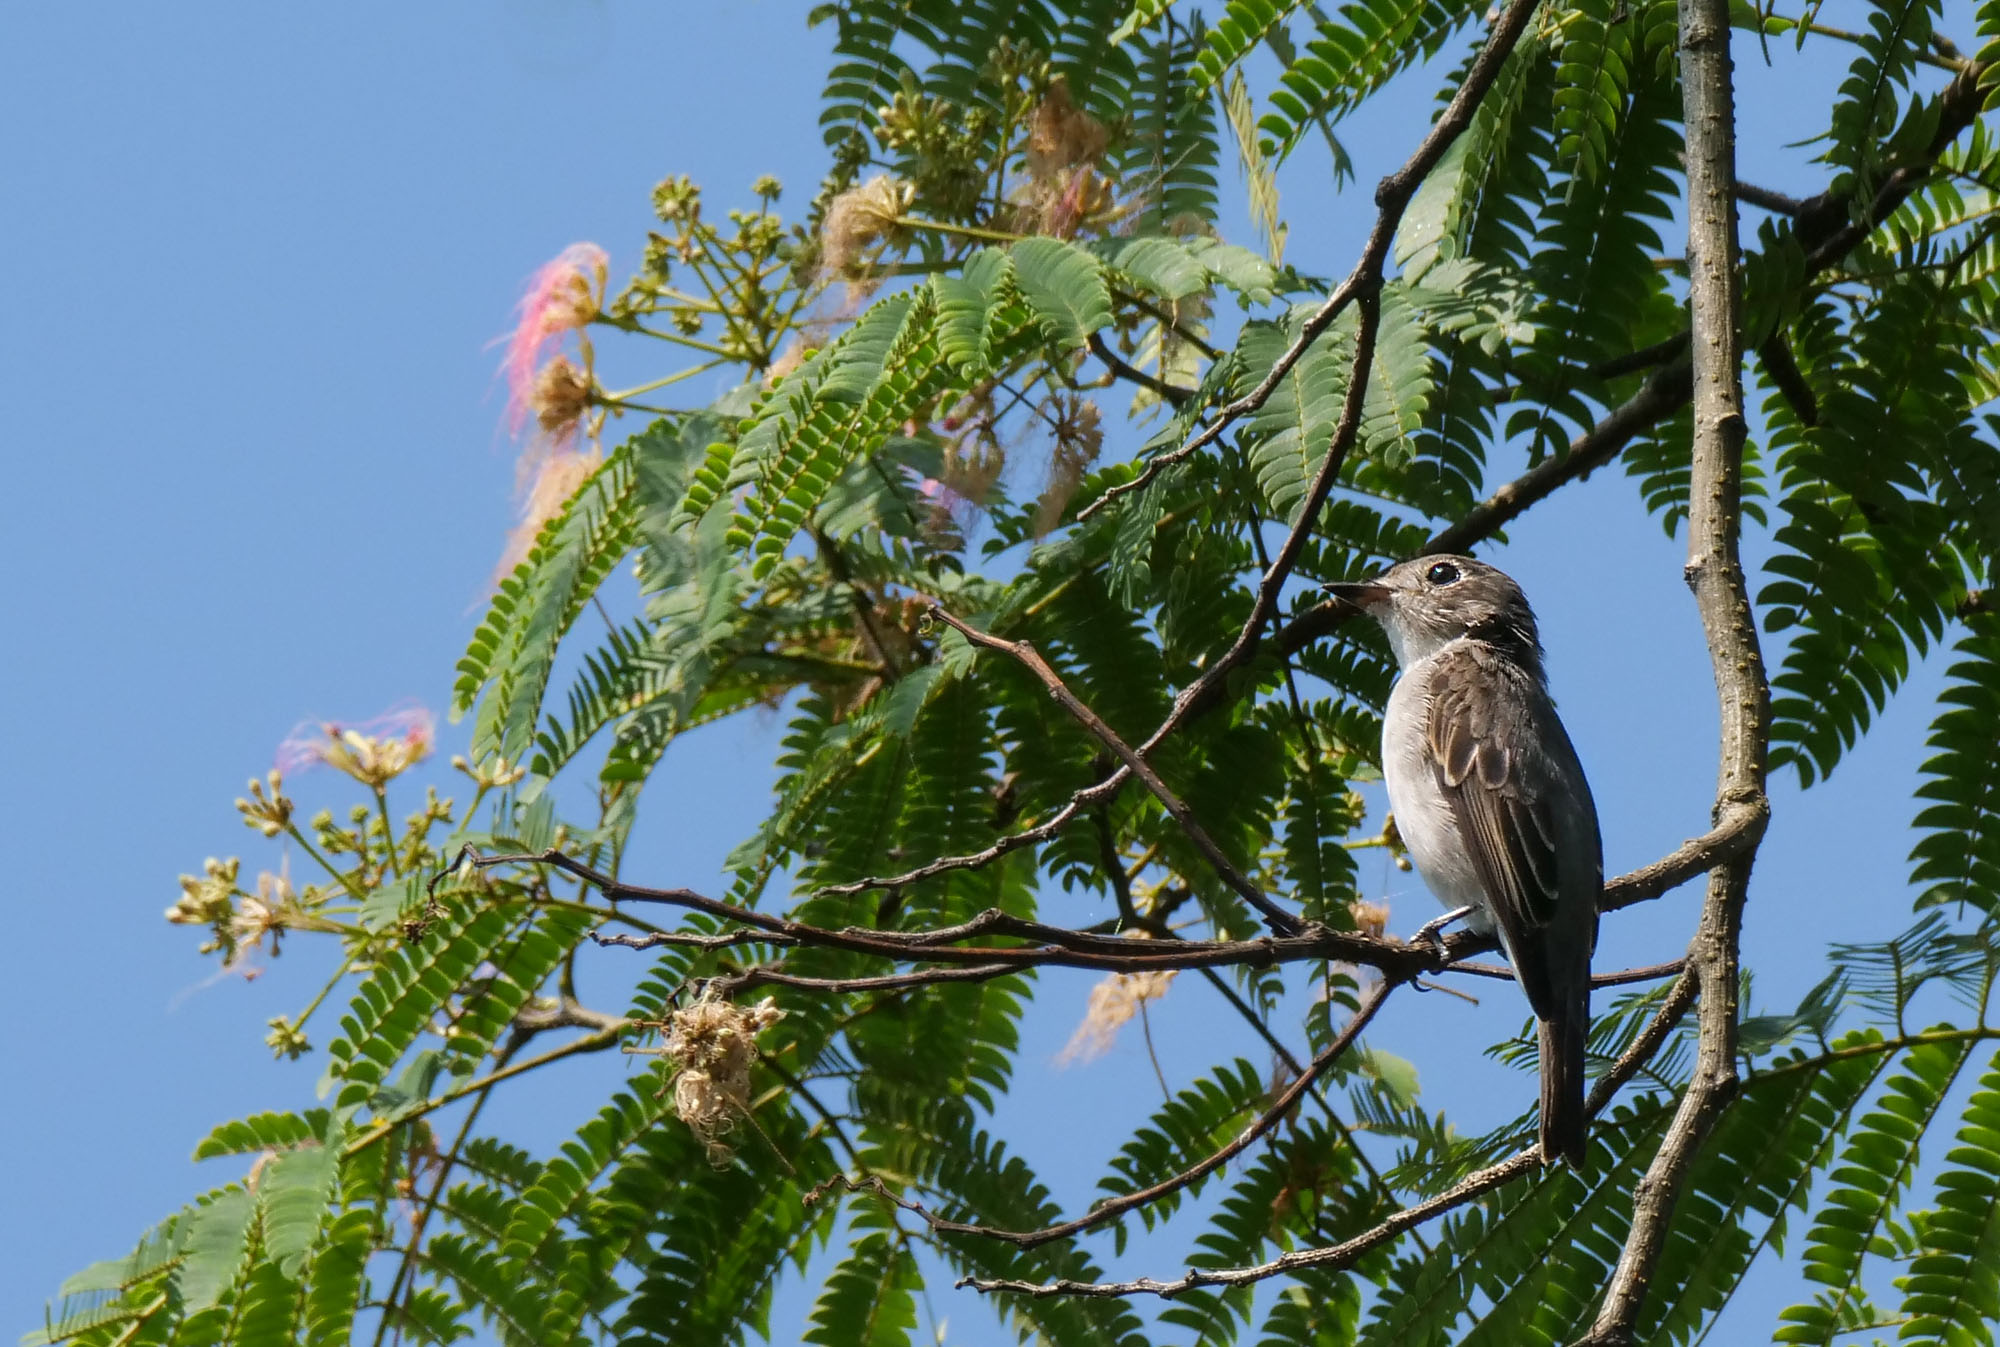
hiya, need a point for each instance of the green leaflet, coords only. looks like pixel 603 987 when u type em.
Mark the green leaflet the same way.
pixel 292 1196
pixel 508 663
pixel 1171 151
pixel 1958 857
pixel 905 353
pixel 494 1289
pixel 429 1315
pixel 1865 112
pixel 1139 14
pixel 213 1248
pixel 1237 31
pixel 1755 1169
pixel 866 69
pixel 1876 1164
pixel 1290 433
pixel 1572 1248
pixel 1860 573
pixel 334 1289
pixel 1319 812
pixel 1289 436
pixel 1352 56
pixel 1952 1291
pixel 1512 1247
pixel 1592 82
pixel 966 306
pixel 564 1180
pixel 869 1300
pixel 791 459
pixel 273 1305
pixel 1285 1188
pixel 725 1236
pixel 262 1132
pixel 1165 267
pixel 118 1290
pixel 1322 1309
pixel 971 1176
pixel 1399 389
pixel 399 997
pixel 155 1252
pixel 1190 1127
pixel 1600 294
pixel 1064 285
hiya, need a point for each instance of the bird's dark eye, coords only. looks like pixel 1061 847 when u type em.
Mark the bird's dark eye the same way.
pixel 1442 574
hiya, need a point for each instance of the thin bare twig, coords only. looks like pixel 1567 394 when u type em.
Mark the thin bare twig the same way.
pixel 1126 370
pixel 1047 946
pixel 1112 1208
pixel 1024 653
pixel 1392 197
pixel 765 976
pixel 1775 352
pixel 1679 997
pixel 1764 198
pixel 1064 947
pixel 1648 973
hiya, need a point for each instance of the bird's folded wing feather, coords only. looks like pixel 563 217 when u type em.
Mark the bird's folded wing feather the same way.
pixel 1483 711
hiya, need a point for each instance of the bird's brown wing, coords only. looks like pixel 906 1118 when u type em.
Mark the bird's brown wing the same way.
pixel 1483 711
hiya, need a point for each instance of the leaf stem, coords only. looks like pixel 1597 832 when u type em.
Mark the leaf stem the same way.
pixel 591 1042
pixel 669 380
pixel 345 880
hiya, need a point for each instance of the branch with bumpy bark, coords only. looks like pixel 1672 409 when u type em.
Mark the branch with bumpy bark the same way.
pixel 1347 1252
pixel 955 959
pixel 1715 574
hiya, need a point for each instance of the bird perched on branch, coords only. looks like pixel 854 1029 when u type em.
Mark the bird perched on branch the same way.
pixel 1490 799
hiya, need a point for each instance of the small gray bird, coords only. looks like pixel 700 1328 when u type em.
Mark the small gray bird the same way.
pixel 1490 798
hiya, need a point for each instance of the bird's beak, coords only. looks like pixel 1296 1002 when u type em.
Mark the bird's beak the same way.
pixel 1365 594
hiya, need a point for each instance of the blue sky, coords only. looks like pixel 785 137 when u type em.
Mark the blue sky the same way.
pixel 257 476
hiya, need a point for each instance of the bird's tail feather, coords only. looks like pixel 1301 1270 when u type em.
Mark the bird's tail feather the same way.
pixel 1565 1128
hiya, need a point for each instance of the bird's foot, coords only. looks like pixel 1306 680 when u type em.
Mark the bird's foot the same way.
pixel 1429 931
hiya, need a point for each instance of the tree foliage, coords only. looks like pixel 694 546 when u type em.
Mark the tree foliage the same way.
pixel 904 530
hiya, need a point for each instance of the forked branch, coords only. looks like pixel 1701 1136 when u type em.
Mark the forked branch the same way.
pixel 1522 1163
pixel 1113 1208
pixel 964 952
pixel 1279 920
pixel 1715 574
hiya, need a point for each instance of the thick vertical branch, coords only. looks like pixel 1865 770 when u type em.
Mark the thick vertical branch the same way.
pixel 1715 574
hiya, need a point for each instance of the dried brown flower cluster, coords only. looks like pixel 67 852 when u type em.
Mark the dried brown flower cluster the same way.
pixel 713 1043
pixel 559 397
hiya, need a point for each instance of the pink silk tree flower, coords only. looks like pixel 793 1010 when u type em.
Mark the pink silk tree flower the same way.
pixel 562 296
pixel 554 477
pixel 373 752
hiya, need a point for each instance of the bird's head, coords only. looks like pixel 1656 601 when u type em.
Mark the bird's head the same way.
pixel 1428 602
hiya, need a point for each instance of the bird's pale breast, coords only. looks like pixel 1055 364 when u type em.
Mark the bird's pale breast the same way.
pixel 1423 816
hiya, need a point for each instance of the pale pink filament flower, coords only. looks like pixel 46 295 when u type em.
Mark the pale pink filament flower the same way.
pixel 373 752
pixel 554 477
pixel 562 296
